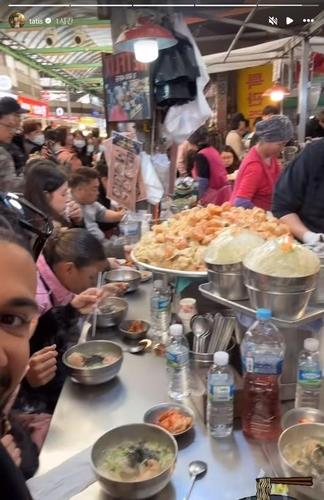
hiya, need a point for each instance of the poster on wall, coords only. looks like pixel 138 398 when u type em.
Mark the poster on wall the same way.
pixel 123 157
pixel 127 88
pixel 251 84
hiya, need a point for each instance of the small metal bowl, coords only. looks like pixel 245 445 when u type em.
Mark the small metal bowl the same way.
pixel 129 276
pixel 132 490
pixel 124 329
pixel 302 416
pixel 152 415
pixel 105 319
pixel 97 375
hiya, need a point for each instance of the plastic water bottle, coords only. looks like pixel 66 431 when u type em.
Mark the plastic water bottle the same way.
pixel 309 376
pixel 177 358
pixel 220 397
pixel 160 309
pixel 262 350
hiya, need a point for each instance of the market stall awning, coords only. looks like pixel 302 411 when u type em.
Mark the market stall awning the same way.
pixel 256 55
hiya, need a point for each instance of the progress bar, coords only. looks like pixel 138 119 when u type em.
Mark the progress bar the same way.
pixel 134 4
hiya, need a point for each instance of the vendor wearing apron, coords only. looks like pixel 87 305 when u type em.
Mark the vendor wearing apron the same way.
pixel 260 169
pixel 299 194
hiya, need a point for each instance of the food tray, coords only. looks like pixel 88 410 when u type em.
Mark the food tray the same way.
pixel 170 272
pixel 244 306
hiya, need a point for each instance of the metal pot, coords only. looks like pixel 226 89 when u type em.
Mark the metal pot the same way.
pixel 132 490
pixel 294 435
pixel 99 374
pixel 227 280
pixel 106 319
pixel 287 298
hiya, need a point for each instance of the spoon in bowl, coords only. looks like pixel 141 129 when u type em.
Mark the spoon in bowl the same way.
pixel 196 470
pixel 143 345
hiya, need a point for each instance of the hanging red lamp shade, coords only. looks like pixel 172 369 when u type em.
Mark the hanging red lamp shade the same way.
pixel 276 92
pixel 145 39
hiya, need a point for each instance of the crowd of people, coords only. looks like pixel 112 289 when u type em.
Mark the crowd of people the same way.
pixel 63 178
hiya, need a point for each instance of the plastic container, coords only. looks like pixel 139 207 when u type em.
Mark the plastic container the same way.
pixel 262 352
pixel 177 359
pixel 309 376
pixel 220 403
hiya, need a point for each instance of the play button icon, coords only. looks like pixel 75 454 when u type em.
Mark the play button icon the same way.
pixel 289 20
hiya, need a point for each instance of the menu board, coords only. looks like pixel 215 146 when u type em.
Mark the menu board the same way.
pixel 125 183
pixel 127 88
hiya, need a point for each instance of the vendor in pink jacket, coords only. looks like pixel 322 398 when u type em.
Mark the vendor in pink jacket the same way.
pixel 260 169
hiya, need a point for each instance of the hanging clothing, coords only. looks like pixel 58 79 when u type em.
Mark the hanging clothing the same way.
pixel 255 181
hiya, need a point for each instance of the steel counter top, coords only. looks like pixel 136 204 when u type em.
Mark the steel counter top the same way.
pixel 85 413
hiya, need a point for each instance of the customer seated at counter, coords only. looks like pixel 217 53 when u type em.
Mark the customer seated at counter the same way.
pixel 84 184
pixel 260 169
pixel 299 195
pixel 67 270
pixel 18 311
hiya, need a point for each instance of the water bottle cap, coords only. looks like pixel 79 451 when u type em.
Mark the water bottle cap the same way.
pixel 311 345
pixel 221 358
pixel 263 314
pixel 176 330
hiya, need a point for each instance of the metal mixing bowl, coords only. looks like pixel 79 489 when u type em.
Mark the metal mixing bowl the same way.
pixel 124 329
pixel 152 415
pixel 130 276
pixel 302 416
pixel 287 298
pixel 295 435
pixel 105 319
pixel 227 280
pixel 132 490
pixel 100 374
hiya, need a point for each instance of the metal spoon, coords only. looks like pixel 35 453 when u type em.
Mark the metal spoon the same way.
pixel 196 470
pixel 143 345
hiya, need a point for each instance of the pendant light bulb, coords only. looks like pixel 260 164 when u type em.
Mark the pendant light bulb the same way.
pixel 146 50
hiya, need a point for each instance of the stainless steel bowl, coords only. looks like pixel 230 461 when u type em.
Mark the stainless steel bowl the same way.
pixel 227 280
pixel 132 490
pixel 124 329
pixel 152 415
pixel 287 298
pixel 294 435
pixel 100 374
pixel 105 319
pixel 130 276
pixel 302 416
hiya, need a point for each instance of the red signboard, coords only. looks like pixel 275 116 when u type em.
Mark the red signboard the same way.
pixel 36 108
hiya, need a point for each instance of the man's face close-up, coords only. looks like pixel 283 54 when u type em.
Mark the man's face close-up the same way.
pixel 18 312
pixel 8 128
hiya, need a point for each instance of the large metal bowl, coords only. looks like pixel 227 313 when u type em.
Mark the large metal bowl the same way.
pixel 287 298
pixel 105 319
pixel 100 374
pixel 130 276
pixel 297 416
pixel 227 280
pixel 294 435
pixel 132 490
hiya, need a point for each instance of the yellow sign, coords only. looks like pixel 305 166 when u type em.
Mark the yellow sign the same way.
pixel 251 84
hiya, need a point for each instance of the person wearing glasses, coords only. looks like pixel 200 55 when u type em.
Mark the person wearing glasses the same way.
pixel 10 111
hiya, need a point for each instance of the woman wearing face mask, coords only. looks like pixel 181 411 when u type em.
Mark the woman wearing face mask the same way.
pixel 33 136
pixel 64 150
pixel 80 145
pixel 67 271
pixel 47 189
pixel 91 149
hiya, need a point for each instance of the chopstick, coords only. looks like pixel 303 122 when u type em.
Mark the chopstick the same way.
pixel 95 313
pixel 298 481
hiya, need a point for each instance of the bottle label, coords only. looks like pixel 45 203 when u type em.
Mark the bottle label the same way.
pixel 161 304
pixel 265 366
pixel 177 360
pixel 309 377
pixel 220 393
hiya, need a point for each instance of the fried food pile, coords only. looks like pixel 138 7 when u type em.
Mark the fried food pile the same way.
pixel 180 243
